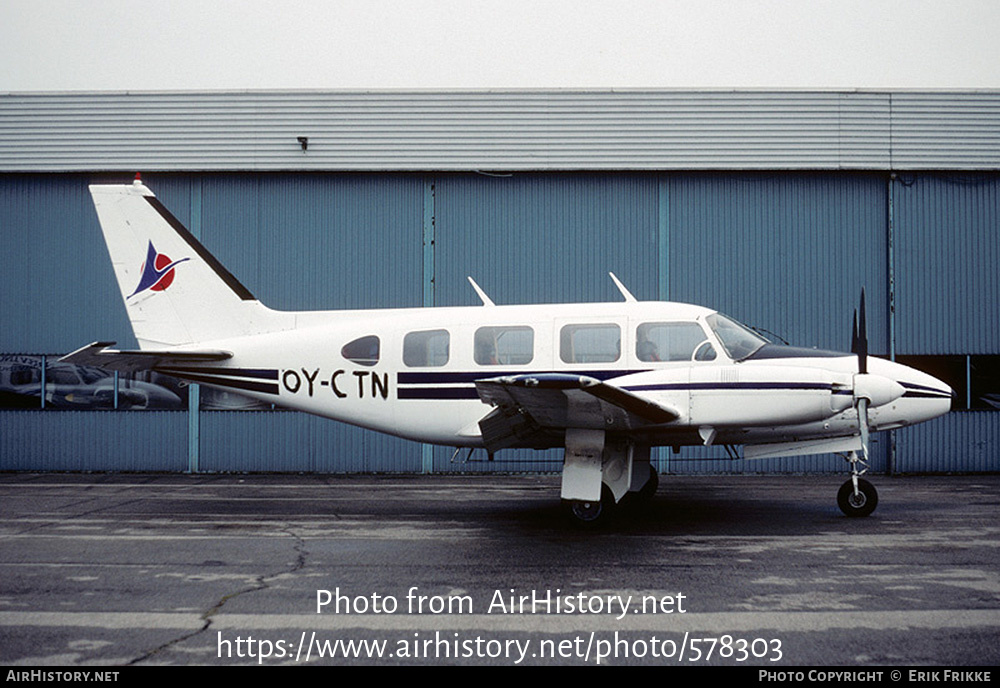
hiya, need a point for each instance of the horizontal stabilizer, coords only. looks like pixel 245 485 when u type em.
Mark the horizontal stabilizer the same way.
pixel 100 356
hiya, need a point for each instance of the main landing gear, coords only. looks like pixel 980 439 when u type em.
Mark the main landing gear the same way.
pixel 594 514
pixel 857 497
pixel 600 472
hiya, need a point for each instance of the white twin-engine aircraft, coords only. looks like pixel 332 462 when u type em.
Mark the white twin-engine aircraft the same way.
pixel 604 381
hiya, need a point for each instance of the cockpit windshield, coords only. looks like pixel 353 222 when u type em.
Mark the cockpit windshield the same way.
pixel 738 340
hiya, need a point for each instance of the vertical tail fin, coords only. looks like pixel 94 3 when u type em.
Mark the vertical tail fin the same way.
pixel 174 290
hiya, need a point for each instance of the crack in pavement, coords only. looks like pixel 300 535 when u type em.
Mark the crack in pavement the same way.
pixel 261 582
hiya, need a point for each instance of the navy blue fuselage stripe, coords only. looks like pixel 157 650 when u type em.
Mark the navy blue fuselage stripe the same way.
pixel 923 388
pixel 926 395
pixel 437 393
pixel 262 373
pixel 430 378
pixel 729 385
pixel 468 391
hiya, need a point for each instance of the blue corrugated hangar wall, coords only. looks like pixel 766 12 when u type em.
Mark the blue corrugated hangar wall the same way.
pixel 784 251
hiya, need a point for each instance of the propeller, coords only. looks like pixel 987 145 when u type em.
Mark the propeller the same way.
pixel 859 340
pixel 858 497
pixel 859 346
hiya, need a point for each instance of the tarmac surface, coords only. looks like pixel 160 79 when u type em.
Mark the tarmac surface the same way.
pixel 147 569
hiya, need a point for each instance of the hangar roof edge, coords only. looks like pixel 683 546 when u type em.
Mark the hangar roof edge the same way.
pixel 500 130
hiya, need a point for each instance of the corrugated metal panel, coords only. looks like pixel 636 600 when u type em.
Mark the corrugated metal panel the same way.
pixel 945 131
pixel 498 130
pixel 57 289
pixel 947 236
pixel 962 442
pixel 506 461
pixel 787 253
pixel 317 242
pixel 530 238
pixel 93 441
pixel 289 441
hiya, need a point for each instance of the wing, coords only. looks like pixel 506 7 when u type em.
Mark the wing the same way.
pixel 99 355
pixel 530 408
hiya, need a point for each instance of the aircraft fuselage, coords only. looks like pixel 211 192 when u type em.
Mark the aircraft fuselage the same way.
pixel 778 394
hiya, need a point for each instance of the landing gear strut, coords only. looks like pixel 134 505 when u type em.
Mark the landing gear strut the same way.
pixel 857 497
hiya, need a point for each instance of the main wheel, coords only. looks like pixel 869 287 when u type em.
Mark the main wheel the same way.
pixel 860 504
pixel 648 491
pixel 594 514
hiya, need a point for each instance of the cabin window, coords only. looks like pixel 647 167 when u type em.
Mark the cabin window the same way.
pixel 427 348
pixel 590 343
pixel 668 341
pixel 363 351
pixel 504 345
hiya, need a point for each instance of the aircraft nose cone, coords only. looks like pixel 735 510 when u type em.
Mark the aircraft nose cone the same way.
pixel 924 396
pixel 921 385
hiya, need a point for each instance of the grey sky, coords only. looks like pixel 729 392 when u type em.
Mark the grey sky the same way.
pixel 224 44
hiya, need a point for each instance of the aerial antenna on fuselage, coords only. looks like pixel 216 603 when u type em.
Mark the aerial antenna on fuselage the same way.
pixel 621 287
pixel 487 301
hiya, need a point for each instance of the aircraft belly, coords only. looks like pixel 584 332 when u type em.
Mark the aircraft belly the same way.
pixel 446 422
pixel 370 414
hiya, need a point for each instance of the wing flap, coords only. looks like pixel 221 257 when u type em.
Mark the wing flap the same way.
pixel 530 405
pixel 99 355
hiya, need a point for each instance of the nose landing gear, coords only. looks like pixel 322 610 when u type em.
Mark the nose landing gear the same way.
pixel 857 497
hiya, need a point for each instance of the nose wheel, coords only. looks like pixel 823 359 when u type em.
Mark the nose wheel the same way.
pixel 857 497
pixel 857 502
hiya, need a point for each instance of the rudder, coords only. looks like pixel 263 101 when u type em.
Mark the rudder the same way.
pixel 175 291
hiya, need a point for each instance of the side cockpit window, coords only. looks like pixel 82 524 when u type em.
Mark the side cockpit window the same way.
pixel 363 351
pixel 737 339
pixel 669 341
pixel 504 345
pixel 590 343
pixel 426 348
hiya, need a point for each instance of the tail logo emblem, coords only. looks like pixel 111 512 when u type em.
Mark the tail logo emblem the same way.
pixel 157 271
